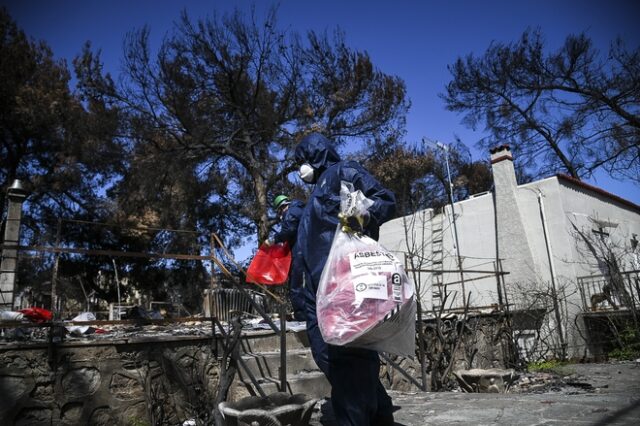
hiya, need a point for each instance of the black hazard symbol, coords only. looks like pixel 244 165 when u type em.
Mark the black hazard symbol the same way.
pixel 396 281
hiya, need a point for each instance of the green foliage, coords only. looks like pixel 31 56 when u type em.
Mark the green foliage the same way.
pixel 213 118
pixel 418 175
pixel 60 145
pixel 48 137
pixel 549 366
pixel 137 421
pixel 406 172
pixel 626 354
pixel 196 136
pixel 629 339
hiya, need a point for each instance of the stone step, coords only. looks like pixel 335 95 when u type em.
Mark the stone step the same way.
pixel 267 364
pixel 312 383
pixel 268 341
pixel 261 355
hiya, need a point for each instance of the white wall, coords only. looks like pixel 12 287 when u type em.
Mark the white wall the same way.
pixel 584 208
pixel 393 236
pixel 476 236
pixel 564 202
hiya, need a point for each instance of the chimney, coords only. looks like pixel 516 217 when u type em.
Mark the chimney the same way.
pixel 504 174
pixel 512 243
pixel 16 194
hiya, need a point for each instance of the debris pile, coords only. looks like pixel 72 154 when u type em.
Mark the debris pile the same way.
pixel 139 324
pixel 546 382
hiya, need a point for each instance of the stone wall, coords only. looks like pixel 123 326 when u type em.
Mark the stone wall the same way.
pixel 393 379
pixel 487 343
pixel 132 383
pixel 483 344
pixel 484 340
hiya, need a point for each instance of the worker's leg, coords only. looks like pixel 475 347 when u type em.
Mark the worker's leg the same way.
pixel 318 345
pixel 357 395
pixel 296 290
pixel 384 415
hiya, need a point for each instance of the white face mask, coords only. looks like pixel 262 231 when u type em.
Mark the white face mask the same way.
pixel 307 173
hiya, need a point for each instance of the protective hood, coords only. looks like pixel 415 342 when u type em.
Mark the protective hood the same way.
pixel 317 151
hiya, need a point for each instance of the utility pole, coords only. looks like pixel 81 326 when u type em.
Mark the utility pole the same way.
pixel 445 148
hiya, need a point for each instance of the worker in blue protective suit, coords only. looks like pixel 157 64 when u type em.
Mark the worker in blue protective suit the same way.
pixel 289 213
pixel 357 395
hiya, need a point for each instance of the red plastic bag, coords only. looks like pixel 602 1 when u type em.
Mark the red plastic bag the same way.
pixel 270 265
pixel 36 314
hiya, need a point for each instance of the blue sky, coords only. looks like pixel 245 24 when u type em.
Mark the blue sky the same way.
pixel 412 39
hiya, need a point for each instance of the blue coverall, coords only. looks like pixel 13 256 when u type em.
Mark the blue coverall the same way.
pixel 357 395
pixel 288 232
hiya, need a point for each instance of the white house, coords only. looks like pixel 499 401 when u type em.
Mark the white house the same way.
pixel 558 241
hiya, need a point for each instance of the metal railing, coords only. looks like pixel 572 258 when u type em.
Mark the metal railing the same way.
pixel 222 302
pixel 604 293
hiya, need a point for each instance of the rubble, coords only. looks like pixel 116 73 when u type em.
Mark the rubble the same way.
pixel 79 330
pixel 127 329
pixel 549 382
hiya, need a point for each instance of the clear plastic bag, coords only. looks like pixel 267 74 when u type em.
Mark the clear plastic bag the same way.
pixel 365 298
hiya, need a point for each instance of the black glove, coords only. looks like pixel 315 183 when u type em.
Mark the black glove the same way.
pixel 354 223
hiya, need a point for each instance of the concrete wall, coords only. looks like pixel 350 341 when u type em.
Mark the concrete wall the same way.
pixel 475 223
pixel 566 204
pixel 512 228
pixel 477 237
pixel 587 210
pixel 142 383
pixel 393 236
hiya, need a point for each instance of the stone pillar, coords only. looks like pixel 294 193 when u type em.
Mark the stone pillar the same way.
pixel 15 196
pixel 512 244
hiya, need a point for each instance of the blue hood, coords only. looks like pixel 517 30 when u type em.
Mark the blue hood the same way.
pixel 317 151
pixel 319 219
